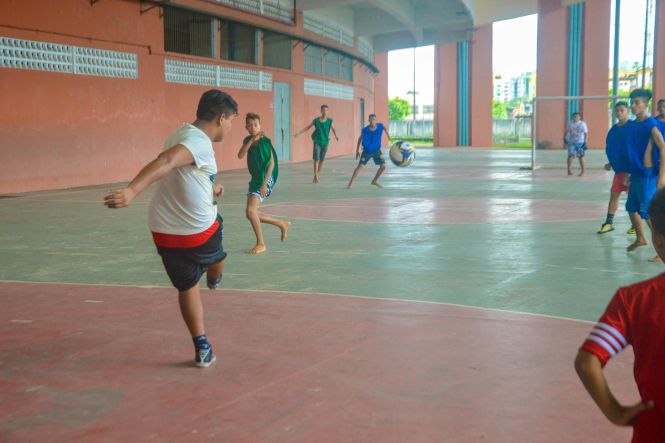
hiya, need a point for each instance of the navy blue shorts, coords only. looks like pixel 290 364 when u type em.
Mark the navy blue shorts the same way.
pixel 186 266
pixel 640 194
pixel 375 155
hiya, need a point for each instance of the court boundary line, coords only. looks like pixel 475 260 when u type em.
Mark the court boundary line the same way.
pixel 324 294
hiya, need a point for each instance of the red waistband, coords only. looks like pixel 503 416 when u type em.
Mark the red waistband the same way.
pixel 184 241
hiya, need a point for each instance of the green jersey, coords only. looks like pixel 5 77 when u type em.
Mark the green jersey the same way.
pixel 321 136
pixel 258 161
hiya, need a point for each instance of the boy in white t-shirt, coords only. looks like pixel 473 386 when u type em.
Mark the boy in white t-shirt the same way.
pixel 183 218
pixel 576 134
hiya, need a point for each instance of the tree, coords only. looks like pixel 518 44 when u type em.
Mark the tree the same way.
pixel 499 109
pixel 398 108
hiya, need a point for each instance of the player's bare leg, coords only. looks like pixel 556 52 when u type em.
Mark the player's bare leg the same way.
pixel 283 225
pixel 355 174
pixel 640 239
pixel 375 182
pixel 252 213
pixel 191 309
pixel 316 172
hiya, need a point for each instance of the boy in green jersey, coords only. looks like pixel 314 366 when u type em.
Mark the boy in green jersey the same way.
pixel 321 137
pixel 262 165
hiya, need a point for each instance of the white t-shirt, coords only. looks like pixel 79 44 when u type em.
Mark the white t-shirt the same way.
pixel 577 131
pixel 183 200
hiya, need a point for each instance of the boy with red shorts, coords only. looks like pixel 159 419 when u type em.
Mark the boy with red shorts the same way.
pixel 615 147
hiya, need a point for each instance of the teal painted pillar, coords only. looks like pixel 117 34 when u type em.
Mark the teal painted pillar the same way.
pixel 575 41
pixel 463 93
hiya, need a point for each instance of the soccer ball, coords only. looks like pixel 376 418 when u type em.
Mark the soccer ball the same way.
pixel 402 154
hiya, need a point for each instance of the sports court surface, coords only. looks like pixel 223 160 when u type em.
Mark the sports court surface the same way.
pixel 446 307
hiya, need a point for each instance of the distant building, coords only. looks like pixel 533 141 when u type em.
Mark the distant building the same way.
pixel 630 79
pixel 508 89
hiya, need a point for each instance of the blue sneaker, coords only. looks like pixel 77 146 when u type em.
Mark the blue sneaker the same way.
pixel 214 284
pixel 204 357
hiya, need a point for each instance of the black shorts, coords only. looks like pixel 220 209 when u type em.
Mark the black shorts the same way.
pixel 185 266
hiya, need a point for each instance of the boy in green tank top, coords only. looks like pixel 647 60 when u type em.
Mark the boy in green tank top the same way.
pixel 262 165
pixel 321 138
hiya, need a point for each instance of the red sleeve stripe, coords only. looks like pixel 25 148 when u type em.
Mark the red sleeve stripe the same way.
pixel 603 343
pixel 616 334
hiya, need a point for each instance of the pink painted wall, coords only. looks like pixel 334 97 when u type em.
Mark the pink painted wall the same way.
pixel 596 59
pixel 552 71
pixel 64 130
pixel 445 95
pixel 482 88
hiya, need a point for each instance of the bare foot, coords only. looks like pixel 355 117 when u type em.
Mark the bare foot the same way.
pixel 377 185
pixel 570 172
pixel 656 259
pixel 636 245
pixel 581 174
pixel 285 229
pixel 316 180
pixel 350 186
pixel 258 249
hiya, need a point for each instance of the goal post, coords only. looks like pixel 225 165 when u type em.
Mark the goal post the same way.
pixel 541 100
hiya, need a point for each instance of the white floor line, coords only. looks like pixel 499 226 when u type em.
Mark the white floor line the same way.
pixel 324 294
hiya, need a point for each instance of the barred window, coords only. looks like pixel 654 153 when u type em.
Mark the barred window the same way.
pixel 347 69
pixel 188 32
pixel 239 43
pixel 333 64
pixel 313 60
pixel 277 50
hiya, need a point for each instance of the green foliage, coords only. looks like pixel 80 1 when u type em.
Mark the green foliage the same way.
pixel 398 108
pixel 499 109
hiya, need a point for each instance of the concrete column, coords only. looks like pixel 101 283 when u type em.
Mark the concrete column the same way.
pixel 381 89
pixel 595 60
pixel 445 95
pixel 659 54
pixel 552 72
pixel 481 88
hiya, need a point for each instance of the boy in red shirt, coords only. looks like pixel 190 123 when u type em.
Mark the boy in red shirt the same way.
pixel 635 316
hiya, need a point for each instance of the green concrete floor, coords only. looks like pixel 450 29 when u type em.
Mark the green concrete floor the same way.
pixel 553 268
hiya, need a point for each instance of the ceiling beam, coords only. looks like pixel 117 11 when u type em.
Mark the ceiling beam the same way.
pixel 404 12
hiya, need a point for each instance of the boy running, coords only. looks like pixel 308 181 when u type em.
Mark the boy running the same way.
pixel 647 174
pixel 635 316
pixel 321 139
pixel 183 218
pixel 262 165
pixel 615 148
pixel 370 138
pixel 576 134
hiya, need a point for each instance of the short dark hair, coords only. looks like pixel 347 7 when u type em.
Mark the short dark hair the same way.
pixel 657 212
pixel 214 103
pixel 575 113
pixel 372 115
pixel 324 106
pixel 621 103
pixel 252 116
pixel 662 100
pixel 641 93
